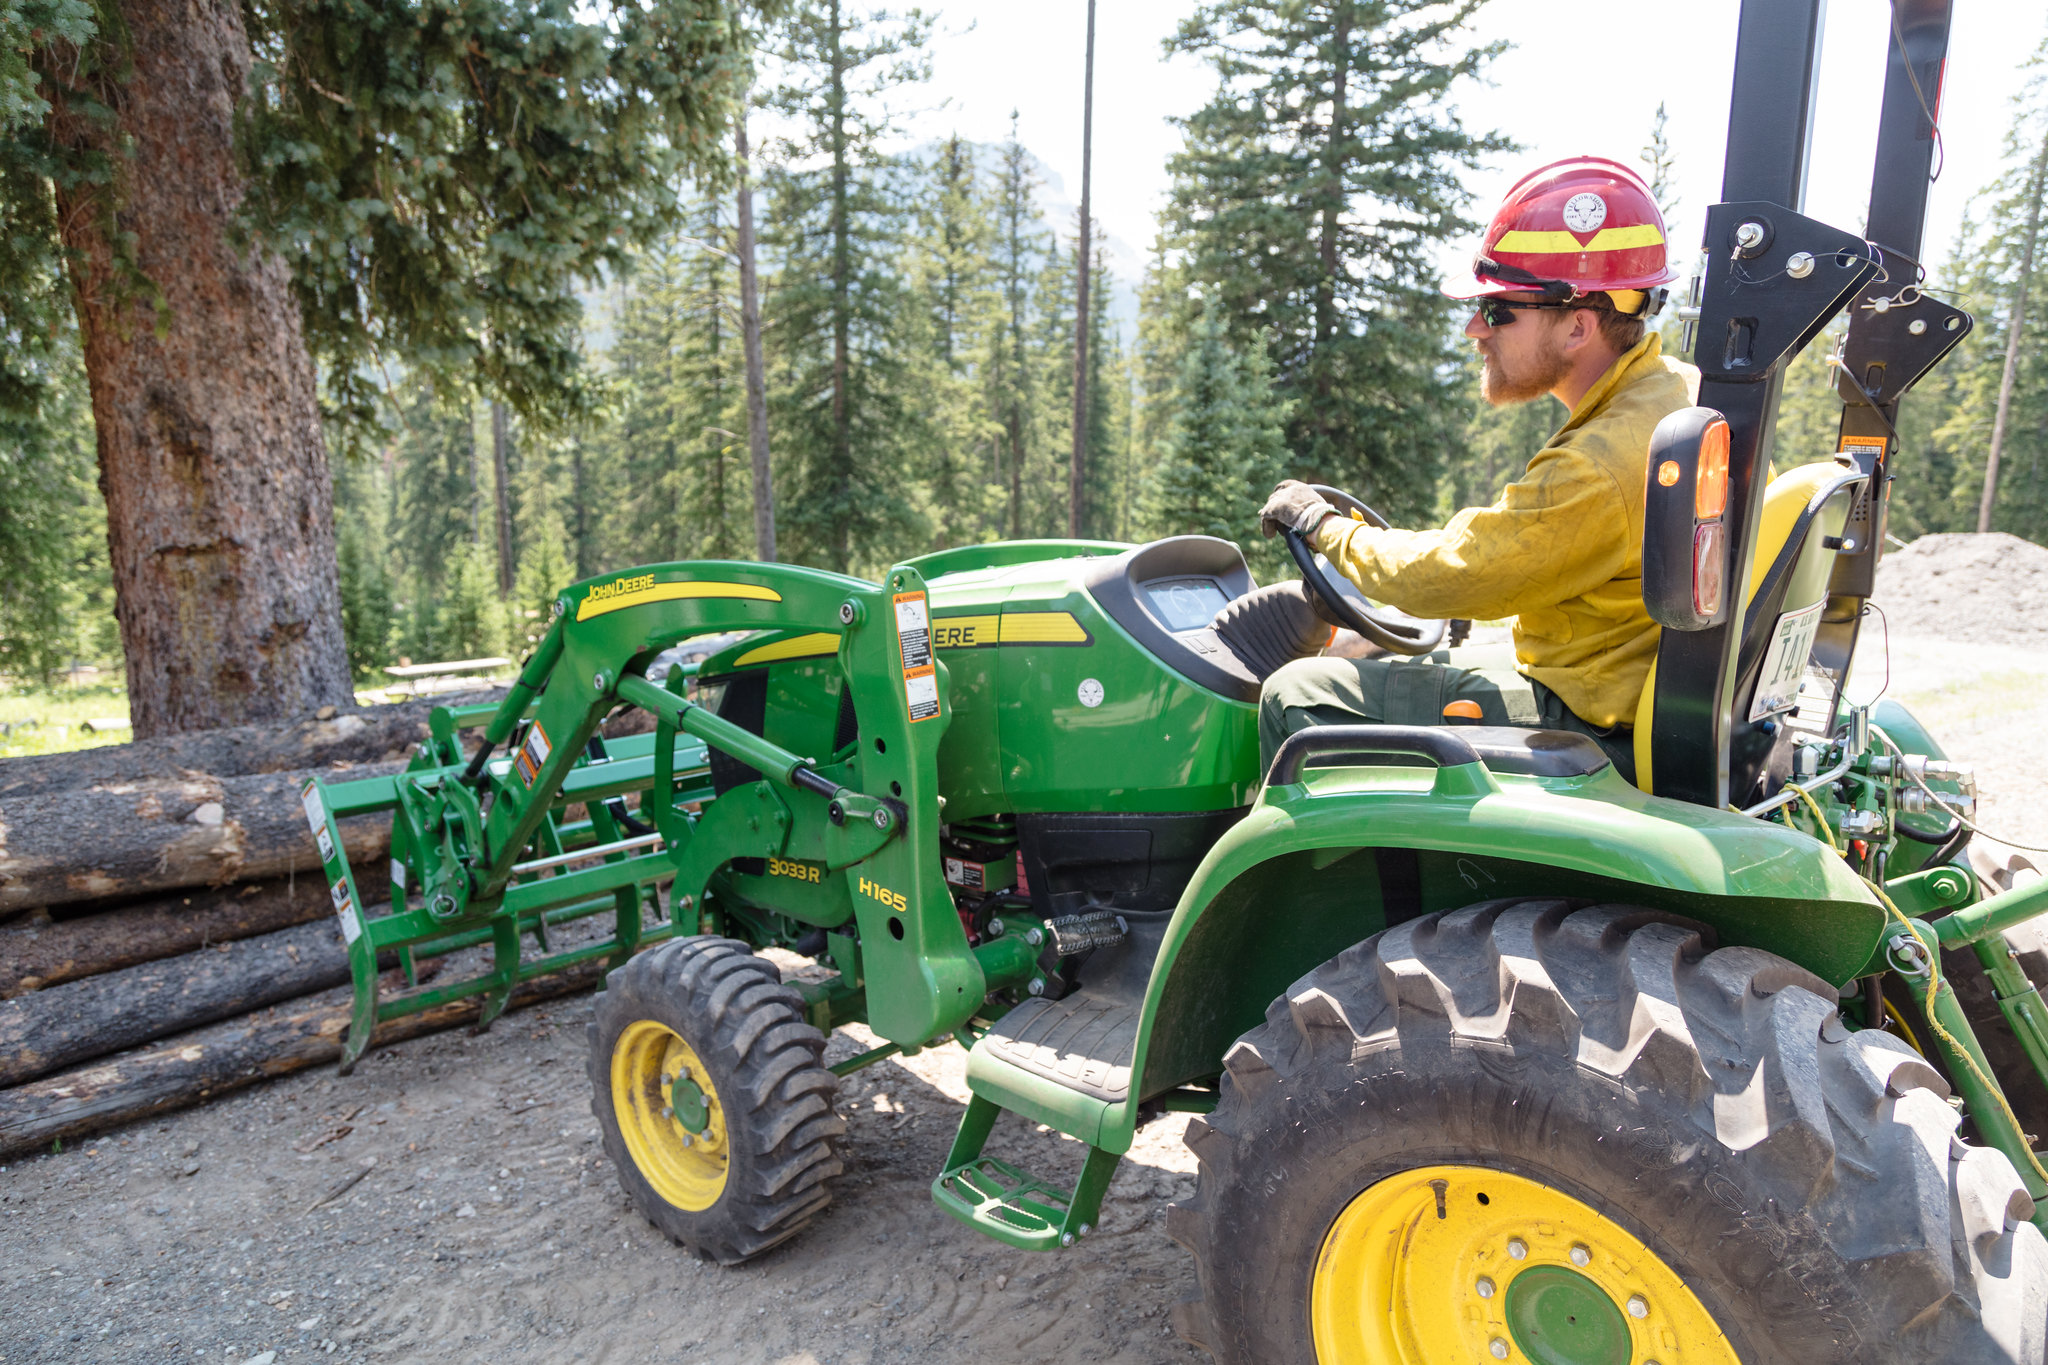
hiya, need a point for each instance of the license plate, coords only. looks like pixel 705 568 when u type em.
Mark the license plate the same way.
pixel 1777 685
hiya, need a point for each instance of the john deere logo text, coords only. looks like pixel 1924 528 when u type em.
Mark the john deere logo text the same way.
pixel 619 587
pixel 893 899
pixel 784 867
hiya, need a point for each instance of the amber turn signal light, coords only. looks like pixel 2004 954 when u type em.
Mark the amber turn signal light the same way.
pixel 1710 482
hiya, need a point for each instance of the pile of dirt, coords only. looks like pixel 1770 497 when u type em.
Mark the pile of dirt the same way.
pixel 1985 589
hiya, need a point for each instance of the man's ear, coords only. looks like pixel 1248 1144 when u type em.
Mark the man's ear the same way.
pixel 1582 328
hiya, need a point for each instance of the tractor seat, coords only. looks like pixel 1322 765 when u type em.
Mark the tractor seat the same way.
pixel 1804 508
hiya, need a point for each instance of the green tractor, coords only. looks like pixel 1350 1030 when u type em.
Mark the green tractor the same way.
pixel 1494 1055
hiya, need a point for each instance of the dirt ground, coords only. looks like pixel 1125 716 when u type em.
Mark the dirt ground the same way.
pixel 485 1225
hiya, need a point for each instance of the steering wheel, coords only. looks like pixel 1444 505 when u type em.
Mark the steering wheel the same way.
pixel 1391 630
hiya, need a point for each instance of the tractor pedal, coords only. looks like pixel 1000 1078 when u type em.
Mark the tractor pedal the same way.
pixel 1077 934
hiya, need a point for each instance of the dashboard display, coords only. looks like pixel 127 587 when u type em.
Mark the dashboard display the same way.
pixel 1185 603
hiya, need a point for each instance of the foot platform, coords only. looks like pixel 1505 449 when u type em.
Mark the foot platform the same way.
pixel 1010 1204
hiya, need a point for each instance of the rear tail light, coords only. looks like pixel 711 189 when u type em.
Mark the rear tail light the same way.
pixel 1707 560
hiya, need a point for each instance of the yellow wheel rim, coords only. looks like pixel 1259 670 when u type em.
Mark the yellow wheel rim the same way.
pixel 670 1116
pixel 1458 1265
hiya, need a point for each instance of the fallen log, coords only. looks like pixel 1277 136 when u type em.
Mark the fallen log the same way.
pixel 38 954
pixel 46 1030
pixel 162 835
pixel 224 1057
pixel 366 735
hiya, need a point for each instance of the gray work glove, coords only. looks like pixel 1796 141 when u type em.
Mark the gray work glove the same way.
pixel 1294 506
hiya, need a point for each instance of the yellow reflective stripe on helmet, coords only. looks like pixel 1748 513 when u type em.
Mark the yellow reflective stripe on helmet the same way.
pixel 1564 244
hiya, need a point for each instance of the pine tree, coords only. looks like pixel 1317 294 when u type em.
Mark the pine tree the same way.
pixel 1021 247
pixel 953 277
pixel 239 203
pixel 1987 269
pixel 677 373
pixel 849 427
pixel 1167 309
pixel 1310 199
pixel 57 606
pixel 469 620
pixel 1225 449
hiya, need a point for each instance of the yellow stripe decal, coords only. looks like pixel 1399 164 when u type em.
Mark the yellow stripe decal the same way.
pixel 1564 244
pixel 964 632
pixel 641 589
pixel 796 647
pixel 1011 628
pixel 1043 628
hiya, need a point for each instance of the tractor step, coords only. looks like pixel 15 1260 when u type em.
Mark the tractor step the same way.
pixel 1009 1203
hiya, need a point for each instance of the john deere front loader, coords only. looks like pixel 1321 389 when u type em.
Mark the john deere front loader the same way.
pixel 1495 1056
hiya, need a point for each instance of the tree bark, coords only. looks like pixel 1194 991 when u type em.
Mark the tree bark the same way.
pixel 1082 250
pixel 501 490
pixel 135 838
pixel 219 503
pixel 223 1058
pixel 38 954
pixel 2039 183
pixel 53 1028
pixel 370 734
pixel 750 346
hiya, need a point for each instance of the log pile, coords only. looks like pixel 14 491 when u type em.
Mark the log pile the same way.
pixel 165 895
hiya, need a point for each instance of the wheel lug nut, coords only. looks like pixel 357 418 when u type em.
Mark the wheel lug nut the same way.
pixel 1485 1287
pixel 1518 1248
pixel 1499 1348
pixel 1581 1256
pixel 1638 1307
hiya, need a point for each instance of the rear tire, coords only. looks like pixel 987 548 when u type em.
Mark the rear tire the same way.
pixel 1801 1181
pixel 708 1089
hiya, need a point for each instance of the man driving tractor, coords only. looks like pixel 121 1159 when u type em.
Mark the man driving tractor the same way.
pixel 1572 264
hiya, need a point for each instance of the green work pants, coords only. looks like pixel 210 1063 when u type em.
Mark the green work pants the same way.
pixel 1400 691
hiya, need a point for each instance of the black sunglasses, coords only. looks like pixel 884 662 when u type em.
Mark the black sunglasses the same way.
pixel 1501 312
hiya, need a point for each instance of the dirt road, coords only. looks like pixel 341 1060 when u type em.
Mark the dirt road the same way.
pixel 489 1228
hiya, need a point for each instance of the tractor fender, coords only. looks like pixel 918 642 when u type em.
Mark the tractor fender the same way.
pixel 1320 865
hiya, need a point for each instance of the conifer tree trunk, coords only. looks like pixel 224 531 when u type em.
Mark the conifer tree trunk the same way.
pixel 219 499
pixel 1083 247
pixel 1333 190
pixel 501 481
pixel 750 345
pixel 2012 338
pixel 842 266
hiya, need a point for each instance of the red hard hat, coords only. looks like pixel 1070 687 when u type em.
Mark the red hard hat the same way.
pixel 1577 226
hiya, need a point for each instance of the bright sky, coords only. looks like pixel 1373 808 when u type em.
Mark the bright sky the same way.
pixel 992 57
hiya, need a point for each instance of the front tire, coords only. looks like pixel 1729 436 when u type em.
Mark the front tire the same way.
pixel 1696 1161
pixel 708 1089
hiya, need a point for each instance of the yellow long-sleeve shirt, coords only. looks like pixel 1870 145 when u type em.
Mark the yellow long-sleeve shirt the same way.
pixel 1561 551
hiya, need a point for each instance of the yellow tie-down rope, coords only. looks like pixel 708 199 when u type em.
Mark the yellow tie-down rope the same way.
pixel 1934 984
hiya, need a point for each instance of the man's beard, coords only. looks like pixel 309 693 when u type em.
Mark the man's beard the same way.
pixel 1540 374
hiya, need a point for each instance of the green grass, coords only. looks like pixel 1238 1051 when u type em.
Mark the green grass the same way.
pixel 51 720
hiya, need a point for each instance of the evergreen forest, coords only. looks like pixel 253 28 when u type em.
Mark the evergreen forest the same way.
pixel 917 307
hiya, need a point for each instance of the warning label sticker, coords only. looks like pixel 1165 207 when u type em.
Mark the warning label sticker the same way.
pixel 914 638
pixel 316 813
pixel 533 753
pixel 914 631
pixel 345 911
pixel 923 692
